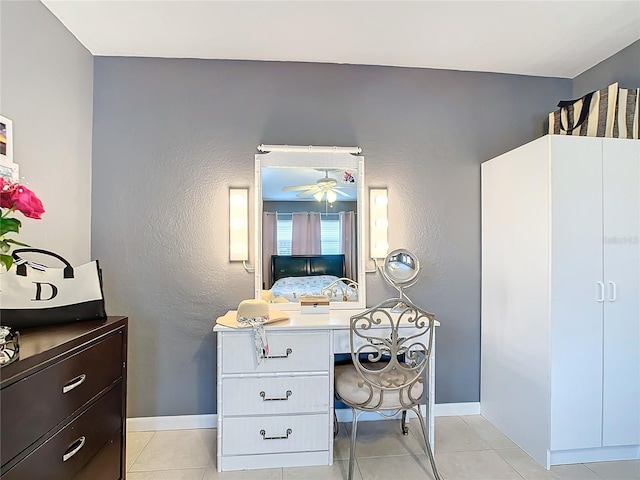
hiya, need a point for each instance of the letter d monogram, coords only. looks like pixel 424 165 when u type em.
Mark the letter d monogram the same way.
pixel 54 291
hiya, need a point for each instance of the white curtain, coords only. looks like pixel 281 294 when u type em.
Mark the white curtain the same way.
pixel 269 245
pixel 348 243
pixel 305 234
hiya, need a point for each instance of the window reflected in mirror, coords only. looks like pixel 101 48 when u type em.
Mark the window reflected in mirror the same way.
pixel 310 228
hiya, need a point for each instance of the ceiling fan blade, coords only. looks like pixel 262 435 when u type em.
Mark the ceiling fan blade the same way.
pixel 308 193
pixel 340 192
pixel 297 187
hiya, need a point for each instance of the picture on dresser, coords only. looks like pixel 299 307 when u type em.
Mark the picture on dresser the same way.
pixel 8 169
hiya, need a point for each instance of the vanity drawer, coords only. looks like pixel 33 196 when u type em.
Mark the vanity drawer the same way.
pixel 86 434
pixel 84 374
pixel 275 395
pixel 306 433
pixel 289 352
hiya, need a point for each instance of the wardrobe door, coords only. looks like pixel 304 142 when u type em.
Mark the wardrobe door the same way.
pixel 577 293
pixel 621 389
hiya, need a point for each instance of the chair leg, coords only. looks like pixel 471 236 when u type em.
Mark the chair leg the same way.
pixel 352 449
pixel 405 429
pixel 426 442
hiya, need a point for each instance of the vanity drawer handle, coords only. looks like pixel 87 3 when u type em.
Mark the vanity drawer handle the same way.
pixel 264 399
pixel 289 352
pixel 76 382
pixel 283 437
pixel 74 448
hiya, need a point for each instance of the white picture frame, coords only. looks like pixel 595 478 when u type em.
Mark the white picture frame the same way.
pixel 8 169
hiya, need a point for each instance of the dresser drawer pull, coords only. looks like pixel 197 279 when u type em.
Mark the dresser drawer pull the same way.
pixel 289 352
pixel 76 382
pixel 275 399
pixel 283 437
pixel 74 448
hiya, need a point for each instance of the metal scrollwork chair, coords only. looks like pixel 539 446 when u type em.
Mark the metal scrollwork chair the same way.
pixel 387 373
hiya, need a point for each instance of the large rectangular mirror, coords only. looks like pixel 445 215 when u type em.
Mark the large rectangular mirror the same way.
pixel 310 228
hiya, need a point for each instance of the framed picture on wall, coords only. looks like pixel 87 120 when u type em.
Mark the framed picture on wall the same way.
pixel 8 169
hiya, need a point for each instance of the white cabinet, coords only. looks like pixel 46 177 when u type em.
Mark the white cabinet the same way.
pixel 279 412
pixel 560 298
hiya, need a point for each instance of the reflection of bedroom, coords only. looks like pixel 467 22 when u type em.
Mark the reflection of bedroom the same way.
pixel 313 249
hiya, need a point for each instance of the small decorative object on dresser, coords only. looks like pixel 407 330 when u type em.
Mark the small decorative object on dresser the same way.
pixel 9 346
pixel 63 403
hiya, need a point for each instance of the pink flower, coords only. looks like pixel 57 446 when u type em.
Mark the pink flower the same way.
pixel 27 202
pixel 5 194
pixel 14 196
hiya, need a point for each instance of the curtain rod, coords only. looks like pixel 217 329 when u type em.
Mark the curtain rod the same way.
pixel 307 149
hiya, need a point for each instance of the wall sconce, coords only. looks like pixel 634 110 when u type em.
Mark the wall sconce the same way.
pixel 238 224
pixel 378 222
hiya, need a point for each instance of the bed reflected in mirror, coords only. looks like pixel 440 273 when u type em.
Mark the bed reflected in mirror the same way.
pixel 310 228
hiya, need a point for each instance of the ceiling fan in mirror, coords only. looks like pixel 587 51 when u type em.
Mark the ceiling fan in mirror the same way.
pixel 325 188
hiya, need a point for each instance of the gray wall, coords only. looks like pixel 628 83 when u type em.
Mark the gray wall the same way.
pixel 172 135
pixel 623 67
pixel 46 89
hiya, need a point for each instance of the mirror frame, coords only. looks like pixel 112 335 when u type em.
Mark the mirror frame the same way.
pixel 401 284
pixel 312 160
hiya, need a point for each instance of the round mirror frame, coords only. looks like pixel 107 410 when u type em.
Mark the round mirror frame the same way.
pixel 391 272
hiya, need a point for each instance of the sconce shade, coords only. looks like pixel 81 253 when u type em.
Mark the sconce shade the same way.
pixel 378 223
pixel 238 224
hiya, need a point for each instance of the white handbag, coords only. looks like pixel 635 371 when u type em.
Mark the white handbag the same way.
pixel 33 294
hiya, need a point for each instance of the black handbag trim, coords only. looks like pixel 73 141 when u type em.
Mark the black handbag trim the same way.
pixel 584 112
pixel 24 318
pixel 21 266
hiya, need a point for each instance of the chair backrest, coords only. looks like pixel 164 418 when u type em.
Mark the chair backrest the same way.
pixel 387 361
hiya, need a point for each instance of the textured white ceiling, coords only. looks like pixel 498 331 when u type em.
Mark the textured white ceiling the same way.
pixel 542 38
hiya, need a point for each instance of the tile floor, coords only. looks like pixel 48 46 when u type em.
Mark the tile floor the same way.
pixel 467 448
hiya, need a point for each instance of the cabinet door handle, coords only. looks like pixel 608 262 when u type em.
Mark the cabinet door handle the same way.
pixel 263 433
pixel 74 448
pixel 275 399
pixel 613 291
pixel 76 382
pixel 600 292
pixel 288 352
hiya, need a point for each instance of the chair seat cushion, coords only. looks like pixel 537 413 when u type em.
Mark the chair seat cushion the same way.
pixel 347 380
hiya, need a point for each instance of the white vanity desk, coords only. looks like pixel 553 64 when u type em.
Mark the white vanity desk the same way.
pixel 280 413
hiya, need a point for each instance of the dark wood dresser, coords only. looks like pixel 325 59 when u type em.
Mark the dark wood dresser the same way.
pixel 63 403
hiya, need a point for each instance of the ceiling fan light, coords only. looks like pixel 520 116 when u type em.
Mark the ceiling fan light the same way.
pixel 318 196
pixel 331 196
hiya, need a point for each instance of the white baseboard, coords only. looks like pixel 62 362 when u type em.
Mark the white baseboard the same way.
pixel 177 422
pixel 189 422
pixel 454 409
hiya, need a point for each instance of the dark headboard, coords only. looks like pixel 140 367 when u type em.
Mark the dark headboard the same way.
pixel 305 265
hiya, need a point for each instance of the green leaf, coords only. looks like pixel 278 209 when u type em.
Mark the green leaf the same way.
pixel 6 260
pixel 9 225
pixel 4 245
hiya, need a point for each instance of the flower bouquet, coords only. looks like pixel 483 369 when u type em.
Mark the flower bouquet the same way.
pixel 15 197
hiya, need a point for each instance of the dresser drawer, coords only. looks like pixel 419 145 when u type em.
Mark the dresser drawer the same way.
pixel 106 464
pixel 274 395
pixel 86 435
pixel 54 393
pixel 289 352
pixel 275 434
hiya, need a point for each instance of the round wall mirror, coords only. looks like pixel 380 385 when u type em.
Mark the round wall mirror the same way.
pixel 401 268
